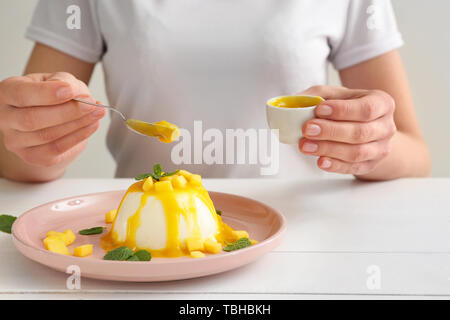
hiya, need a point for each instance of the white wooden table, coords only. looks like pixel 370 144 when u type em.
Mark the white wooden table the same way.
pixel 345 239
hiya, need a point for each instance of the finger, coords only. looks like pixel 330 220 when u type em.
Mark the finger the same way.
pixel 16 140
pixel 334 92
pixel 339 166
pixel 54 152
pixel 366 108
pixel 349 132
pixel 41 89
pixel 37 118
pixel 344 151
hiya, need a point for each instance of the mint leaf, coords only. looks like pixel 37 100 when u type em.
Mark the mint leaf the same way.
pixel 6 222
pixel 219 212
pixel 143 255
pixel 157 170
pixel 119 254
pixel 90 231
pixel 166 174
pixel 126 254
pixel 157 173
pixel 133 258
pixel 143 176
pixel 238 244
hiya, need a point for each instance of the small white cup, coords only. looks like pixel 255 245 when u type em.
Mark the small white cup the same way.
pixel 289 121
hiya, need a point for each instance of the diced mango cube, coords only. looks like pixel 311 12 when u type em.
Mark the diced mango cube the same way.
pixel 53 234
pixel 185 174
pixel 253 241
pixel 166 178
pixel 196 179
pixel 67 236
pixel 197 254
pixel 238 234
pixel 212 246
pixel 56 244
pixel 163 186
pixel 179 182
pixel 110 216
pixel 194 244
pixel 148 184
pixel 227 232
pixel 83 251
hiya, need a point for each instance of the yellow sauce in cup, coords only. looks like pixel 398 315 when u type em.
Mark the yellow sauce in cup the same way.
pixel 295 101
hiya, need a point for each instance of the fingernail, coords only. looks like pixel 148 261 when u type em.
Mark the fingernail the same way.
pixel 93 125
pixel 97 113
pixel 324 110
pixel 86 108
pixel 325 164
pixel 309 147
pixel 312 130
pixel 64 93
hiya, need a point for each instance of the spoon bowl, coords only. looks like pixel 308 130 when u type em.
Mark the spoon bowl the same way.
pixel 163 130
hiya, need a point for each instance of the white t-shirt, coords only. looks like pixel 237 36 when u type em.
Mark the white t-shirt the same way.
pixel 209 67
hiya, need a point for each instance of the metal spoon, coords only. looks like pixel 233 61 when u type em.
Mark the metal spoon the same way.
pixel 140 127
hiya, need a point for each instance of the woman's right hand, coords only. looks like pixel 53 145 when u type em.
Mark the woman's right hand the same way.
pixel 41 123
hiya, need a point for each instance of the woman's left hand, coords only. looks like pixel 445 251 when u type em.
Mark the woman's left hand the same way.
pixel 352 130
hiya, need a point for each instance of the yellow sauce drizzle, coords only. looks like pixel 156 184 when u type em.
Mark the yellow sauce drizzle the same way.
pixel 180 201
pixel 134 222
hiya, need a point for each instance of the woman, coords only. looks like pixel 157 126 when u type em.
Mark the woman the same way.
pixel 213 64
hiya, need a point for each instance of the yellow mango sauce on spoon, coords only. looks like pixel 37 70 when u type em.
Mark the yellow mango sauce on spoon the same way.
pixel 165 132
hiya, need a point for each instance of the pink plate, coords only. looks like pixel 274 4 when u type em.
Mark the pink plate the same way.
pixel 262 222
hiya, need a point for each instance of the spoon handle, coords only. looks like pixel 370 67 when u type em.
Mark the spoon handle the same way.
pixel 101 106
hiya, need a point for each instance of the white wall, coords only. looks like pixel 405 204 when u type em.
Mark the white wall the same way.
pixel 426 30
pixel 425 27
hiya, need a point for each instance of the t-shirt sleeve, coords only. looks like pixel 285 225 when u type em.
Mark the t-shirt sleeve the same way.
pixel 370 30
pixel 54 24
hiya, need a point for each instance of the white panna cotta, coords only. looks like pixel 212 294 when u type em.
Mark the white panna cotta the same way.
pixel 153 232
pixel 169 217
